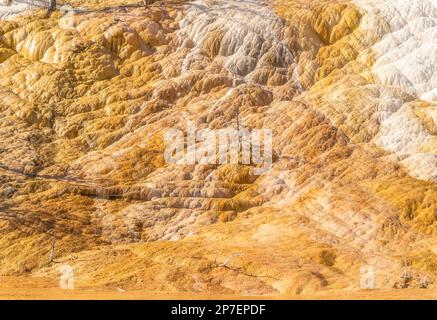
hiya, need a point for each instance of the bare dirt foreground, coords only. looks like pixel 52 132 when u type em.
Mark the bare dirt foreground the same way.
pixel 31 288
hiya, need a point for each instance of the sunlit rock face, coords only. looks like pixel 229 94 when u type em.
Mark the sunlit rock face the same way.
pixel 347 89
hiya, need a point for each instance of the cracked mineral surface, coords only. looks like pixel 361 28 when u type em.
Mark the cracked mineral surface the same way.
pixel 348 90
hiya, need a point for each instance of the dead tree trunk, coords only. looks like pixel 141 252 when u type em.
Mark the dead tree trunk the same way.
pixel 52 5
pixel 52 252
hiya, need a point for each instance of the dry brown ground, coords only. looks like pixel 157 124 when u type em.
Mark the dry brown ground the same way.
pixel 27 288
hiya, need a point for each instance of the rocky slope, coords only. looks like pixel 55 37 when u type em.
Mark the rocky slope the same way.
pixel 348 89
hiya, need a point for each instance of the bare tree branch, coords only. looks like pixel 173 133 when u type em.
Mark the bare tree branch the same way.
pixel 52 252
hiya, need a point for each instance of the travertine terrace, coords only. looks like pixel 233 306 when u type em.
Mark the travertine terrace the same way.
pixel 348 89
